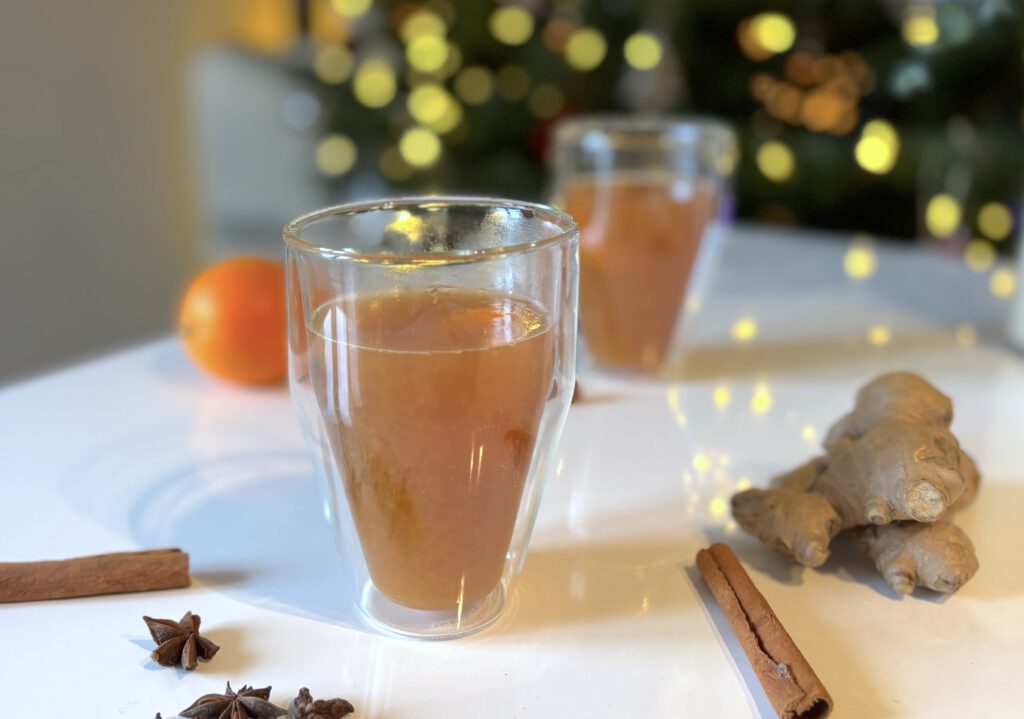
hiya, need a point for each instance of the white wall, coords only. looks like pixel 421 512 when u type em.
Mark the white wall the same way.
pixel 98 227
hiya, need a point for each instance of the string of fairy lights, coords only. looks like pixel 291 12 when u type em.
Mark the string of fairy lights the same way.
pixel 429 85
pixel 440 86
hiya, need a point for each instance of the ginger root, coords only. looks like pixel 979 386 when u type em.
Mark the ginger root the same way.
pixel 891 470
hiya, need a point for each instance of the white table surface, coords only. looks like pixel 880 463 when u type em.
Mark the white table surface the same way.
pixel 139 449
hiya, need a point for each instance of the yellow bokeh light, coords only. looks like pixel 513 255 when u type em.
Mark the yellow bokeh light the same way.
pixel 335 155
pixel 374 84
pixel 513 82
pixel 701 462
pixel 761 402
pixel 1003 282
pixel 333 64
pixel 717 507
pixel 428 102
pixel 773 31
pixel 942 215
pixel 585 49
pixel 351 8
pixel 860 260
pixel 775 161
pixel 920 28
pixel 453 63
pixel 966 335
pixel 423 23
pixel 744 329
pixel 809 433
pixel 743 483
pixel 642 50
pixel 474 85
pixel 393 167
pixel 979 255
pixel 511 24
pixel 995 220
pixel 427 53
pixel 878 147
pixel 420 147
pixel 722 396
pixel 879 335
pixel 546 101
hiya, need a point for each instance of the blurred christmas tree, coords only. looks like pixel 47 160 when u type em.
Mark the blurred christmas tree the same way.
pixel 895 117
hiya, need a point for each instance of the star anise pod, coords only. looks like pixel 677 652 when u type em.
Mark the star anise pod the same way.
pixel 303 707
pixel 247 703
pixel 179 642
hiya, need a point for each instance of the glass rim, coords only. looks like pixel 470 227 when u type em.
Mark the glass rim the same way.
pixel 293 238
pixel 683 128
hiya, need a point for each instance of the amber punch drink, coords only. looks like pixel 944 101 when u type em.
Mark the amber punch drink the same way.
pixel 639 240
pixel 433 381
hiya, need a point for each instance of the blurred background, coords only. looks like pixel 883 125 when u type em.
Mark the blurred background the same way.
pixel 142 140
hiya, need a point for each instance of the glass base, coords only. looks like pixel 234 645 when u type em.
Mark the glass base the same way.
pixel 392 617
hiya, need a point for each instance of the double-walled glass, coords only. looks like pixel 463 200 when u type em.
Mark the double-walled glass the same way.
pixel 652 197
pixel 432 357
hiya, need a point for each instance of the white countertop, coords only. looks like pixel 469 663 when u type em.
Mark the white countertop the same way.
pixel 140 450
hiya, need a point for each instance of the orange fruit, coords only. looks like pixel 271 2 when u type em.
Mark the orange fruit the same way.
pixel 233 320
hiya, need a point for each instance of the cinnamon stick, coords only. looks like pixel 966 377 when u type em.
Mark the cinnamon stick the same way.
pixel 101 574
pixel 793 688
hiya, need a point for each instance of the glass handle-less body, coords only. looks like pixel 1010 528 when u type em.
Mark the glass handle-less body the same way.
pixel 652 197
pixel 432 351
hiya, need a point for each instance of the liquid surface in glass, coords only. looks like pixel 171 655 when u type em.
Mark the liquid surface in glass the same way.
pixel 432 400
pixel 640 236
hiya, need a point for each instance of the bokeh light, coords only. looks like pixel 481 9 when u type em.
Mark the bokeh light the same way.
pixel 393 166
pixel 761 401
pixel 351 8
pixel 474 85
pixel 942 215
pixel 966 335
pixel 722 396
pixel 422 23
pixel 878 147
pixel 995 220
pixel 420 147
pixel 717 507
pixel 879 335
pixel 336 155
pixel 374 84
pixel 643 50
pixel 920 28
pixel 585 49
pixel 744 329
pixel 333 64
pixel 556 33
pixel 427 53
pixel 775 161
pixel 860 260
pixel 809 433
pixel 511 24
pixel 773 31
pixel 979 255
pixel 1003 282
pixel 432 105
pixel 701 462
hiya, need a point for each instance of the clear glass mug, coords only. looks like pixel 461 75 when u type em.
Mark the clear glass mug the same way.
pixel 432 346
pixel 652 197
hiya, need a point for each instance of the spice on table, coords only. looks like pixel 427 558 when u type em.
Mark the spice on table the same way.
pixel 304 707
pixel 247 703
pixel 100 574
pixel 793 688
pixel 180 642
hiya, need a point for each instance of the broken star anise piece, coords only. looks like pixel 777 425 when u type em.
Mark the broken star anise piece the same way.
pixel 303 707
pixel 248 703
pixel 179 642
